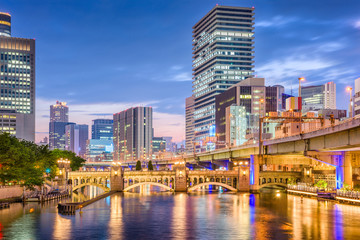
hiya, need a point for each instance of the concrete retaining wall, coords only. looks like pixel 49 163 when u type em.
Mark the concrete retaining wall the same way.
pixel 10 192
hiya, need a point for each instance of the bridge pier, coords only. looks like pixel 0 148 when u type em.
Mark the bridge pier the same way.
pixel 180 178
pixel 116 178
pixel 254 173
pixel 344 171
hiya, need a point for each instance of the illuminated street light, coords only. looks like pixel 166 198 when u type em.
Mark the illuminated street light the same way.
pixel 300 80
pixel 349 89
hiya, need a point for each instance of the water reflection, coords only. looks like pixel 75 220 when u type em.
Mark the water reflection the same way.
pixel 145 214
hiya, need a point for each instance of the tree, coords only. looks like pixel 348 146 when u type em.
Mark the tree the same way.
pixel 150 166
pixel 321 184
pixel 138 166
pixel 75 161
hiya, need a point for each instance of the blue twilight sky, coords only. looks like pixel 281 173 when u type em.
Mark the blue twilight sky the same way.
pixel 104 56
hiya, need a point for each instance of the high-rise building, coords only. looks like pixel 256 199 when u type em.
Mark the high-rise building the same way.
pixel 17 75
pixel 57 135
pixel 189 123
pixel 133 134
pixel 319 97
pixel 280 91
pixel 102 129
pixel 357 97
pixel 59 112
pixel 222 56
pixel 158 144
pixel 238 110
pixel 76 136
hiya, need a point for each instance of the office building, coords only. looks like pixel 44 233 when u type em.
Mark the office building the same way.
pixel 17 76
pixel 99 150
pixel 336 113
pixel 158 144
pixel 222 56
pixel 240 107
pixel 319 97
pixel 133 134
pixel 76 136
pixel 102 129
pixel 357 97
pixel 57 135
pixel 189 123
pixel 59 112
pixel 280 90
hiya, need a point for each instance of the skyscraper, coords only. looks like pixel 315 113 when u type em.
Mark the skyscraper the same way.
pixel 102 129
pixel 222 56
pixel 133 134
pixel 189 123
pixel 59 119
pixel 59 112
pixel 319 97
pixel 76 136
pixel 357 97
pixel 17 75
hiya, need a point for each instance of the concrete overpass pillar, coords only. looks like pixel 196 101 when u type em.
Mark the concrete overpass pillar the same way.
pixel 254 173
pixel 116 178
pixel 180 178
pixel 344 170
pixel 243 179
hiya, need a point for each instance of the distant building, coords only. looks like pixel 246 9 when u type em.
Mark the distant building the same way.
pixel 59 112
pixel 57 135
pixel 17 76
pixel 169 143
pixel 319 97
pixel 102 129
pixel 284 96
pixel 133 134
pixel 280 90
pixel 76 136
pixel 189 123
pixel 223 55
pixel 241 106
pixel 158 144
pixel 44 142
pixel 337 113
pixel 99 150
pixel 357 97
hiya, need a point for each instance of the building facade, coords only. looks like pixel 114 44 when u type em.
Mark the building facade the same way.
pixel 319 97
pixel 57 136
pixel 17 76
pixel 59 112
pixel 222 56
pixel 76 136
pixel 99 149
pixel 241 106
pixel 102 129
pixel 189 123
pixel 133 134
pixel 357 97
pixel 158 144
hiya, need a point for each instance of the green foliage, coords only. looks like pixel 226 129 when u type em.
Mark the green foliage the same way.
pixel 138 166
pixel 321 184
pixel 346 187
pixel 25 163
pixel 150 166
pixel 291 181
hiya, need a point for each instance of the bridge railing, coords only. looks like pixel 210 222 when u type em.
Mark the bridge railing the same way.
pixel 303 188
pixel 348 194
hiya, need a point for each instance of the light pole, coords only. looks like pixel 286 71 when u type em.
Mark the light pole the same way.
pixel 300 80
pixel 349 89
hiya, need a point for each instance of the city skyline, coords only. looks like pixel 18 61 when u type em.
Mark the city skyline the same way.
pixel 284 33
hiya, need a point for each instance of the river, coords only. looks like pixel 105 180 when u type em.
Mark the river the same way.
pixel 145 214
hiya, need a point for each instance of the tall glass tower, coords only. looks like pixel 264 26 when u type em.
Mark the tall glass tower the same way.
pixel 222 56
pixel 17 77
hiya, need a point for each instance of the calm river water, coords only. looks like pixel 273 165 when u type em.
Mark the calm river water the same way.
pixel 268 215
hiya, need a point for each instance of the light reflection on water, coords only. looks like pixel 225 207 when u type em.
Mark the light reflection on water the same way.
pixel 143 214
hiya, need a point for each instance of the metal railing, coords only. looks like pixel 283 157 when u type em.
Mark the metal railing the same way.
pixel 348 194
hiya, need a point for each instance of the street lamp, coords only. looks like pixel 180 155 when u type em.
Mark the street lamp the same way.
pixel 300 80
pixel 349 89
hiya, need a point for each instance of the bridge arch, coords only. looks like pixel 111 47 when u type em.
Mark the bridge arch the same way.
pixel 147 183
pixel 212 183
pixel 106 189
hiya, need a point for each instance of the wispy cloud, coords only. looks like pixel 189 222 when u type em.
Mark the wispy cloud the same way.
pixel 176 67
pixel 277 21
pixel 181 77
pixel 357 24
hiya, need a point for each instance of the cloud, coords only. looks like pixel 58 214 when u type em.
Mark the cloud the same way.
pixel 357 24
pixel 293 66
pixel 84 113
pixel 181 77
pixel 277 21
pixel 176 67
pixel 331 46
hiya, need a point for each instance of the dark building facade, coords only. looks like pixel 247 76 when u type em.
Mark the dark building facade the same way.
pixel 158 144
pixel 133 134
pixel 57 138
pixel 102 129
